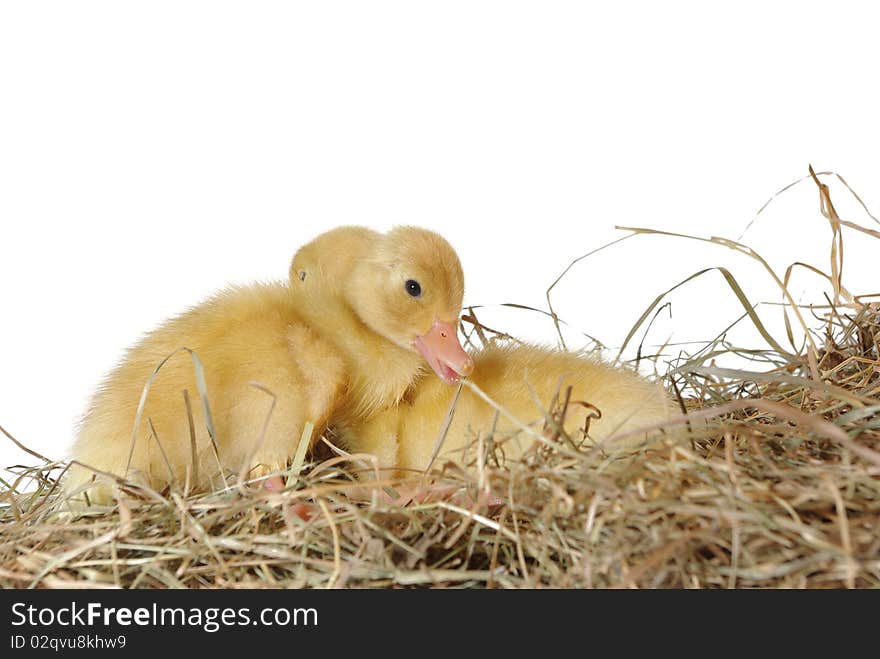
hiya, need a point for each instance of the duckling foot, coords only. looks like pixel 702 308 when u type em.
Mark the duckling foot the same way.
pixel 273 484
pixel 436 492
pixel 421 493
pixel 266 477
pixel 305 511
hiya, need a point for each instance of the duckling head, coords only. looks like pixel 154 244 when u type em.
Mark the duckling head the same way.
pixel 408 288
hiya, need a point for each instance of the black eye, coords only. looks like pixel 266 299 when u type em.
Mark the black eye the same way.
pixel 413 287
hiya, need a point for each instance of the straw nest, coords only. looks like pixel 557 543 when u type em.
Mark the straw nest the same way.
pixel 769 478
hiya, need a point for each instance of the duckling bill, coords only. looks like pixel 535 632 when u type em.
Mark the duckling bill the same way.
pixel 345 344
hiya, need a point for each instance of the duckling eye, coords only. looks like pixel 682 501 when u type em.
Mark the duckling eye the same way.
pixel 413 287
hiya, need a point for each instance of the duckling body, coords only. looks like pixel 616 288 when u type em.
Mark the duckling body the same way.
pixel 241 336
pixel 525 381
pixel 322 356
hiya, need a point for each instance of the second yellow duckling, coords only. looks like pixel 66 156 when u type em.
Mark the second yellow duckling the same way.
pixel 525 381
pixel 349 352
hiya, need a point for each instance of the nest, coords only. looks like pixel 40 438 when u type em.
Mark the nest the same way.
pixel 768 478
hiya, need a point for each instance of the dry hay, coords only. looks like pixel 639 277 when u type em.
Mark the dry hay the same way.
pixel 770 479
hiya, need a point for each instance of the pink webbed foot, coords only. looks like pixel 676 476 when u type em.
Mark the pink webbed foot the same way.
pixel 273 484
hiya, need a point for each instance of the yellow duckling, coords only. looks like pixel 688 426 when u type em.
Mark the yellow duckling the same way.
pixel 604 400
pixel 352 353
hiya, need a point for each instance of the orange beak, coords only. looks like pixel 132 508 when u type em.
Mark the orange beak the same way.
pixel 443 352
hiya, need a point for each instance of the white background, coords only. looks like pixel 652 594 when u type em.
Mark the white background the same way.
pixel 152 152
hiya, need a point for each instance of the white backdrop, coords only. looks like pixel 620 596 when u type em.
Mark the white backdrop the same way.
pixel 152 152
